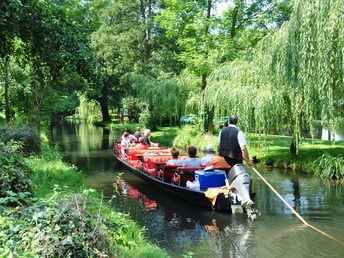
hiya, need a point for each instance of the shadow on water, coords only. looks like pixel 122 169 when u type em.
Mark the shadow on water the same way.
pixel 180 227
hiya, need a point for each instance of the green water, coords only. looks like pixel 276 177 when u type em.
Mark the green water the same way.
pixel 180 227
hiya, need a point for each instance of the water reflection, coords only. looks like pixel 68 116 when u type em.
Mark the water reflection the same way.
pixel 179 227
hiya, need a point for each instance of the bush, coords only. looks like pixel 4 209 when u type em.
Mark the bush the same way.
pixel 15 184
pixel 189 135
pixel 57 226
pixel 328 166
pixel 148 120
pixel 30 140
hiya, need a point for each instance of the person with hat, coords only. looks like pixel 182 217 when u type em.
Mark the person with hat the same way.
pixel 209 149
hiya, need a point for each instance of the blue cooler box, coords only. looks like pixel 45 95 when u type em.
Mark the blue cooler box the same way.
pixel 215 178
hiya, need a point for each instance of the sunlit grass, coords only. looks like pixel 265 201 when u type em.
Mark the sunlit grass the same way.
pixel 275 151
pixel 47 174
pixel 165 135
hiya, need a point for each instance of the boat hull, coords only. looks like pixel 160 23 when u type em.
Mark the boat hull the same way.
pixel 196 197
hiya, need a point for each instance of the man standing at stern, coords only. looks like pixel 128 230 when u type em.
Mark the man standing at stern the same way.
pixel 233 143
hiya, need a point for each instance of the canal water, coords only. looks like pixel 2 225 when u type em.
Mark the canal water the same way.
pixel 181 228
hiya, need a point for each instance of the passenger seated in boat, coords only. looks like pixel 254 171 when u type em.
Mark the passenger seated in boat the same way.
pixel 138 133
pixel 175 155
pixel 209 155
pixel 146 137
pixel 218 161
pixel 192 161
pixel 132 138
pixel 125 143
pixel 141 145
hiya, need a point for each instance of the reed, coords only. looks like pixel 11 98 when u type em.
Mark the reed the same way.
pixel 328 166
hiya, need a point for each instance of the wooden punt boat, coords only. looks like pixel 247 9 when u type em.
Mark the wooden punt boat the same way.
pixel 149 165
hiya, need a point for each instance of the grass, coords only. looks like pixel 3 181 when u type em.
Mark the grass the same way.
pixel 275 151
pixel 165 135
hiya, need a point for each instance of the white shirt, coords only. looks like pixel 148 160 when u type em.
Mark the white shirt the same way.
pixel 175 162
pixel 125 143
pixel 241 137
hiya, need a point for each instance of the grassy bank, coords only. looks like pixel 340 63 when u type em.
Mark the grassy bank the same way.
pixel 322 158
pixel 56 215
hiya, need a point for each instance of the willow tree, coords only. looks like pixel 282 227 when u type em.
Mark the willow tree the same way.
pixel 206 39
pixel 295 77
pixel 163 98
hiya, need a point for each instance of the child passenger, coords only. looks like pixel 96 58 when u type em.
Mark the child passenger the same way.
pixel 175 161
pixel 125 143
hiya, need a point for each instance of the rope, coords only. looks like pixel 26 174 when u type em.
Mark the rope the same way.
pixel 294 211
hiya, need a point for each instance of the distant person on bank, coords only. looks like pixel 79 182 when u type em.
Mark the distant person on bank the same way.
pixel 209 149
pixel 175 158
pixel 192 161
pixel 232 143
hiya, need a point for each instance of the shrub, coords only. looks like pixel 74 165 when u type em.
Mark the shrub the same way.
pixel 15 184
pixel 66 224
pixel 57 226
pixel 149 120
pixel 188 136
pixel 328 166
pixel 30 140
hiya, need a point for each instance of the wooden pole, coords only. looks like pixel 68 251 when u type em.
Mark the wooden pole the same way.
pixel 294 211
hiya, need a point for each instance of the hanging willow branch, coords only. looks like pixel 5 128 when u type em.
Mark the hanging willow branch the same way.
pixel 295 77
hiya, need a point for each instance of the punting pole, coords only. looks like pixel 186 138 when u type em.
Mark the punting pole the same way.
pixel 294 211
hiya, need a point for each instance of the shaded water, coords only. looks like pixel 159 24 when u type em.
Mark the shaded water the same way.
pixel 180 227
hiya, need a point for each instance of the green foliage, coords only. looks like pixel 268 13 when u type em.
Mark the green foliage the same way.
pixel 15 182
pixel 328 166
pixel 188 136
pixel 59 225
pixel 294 76
pixel 67 220
pixel 132 107
pixel 165 135
pixel 51 171
pixel 28 138
pixel 164 98
pixel 88 110
pixel 149 119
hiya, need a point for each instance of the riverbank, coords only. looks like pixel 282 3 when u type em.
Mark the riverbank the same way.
pixel 315 157
pixel 55 214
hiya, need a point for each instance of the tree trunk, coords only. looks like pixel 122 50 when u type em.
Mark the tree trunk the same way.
pixel 234 21
pixel 104 103
pixel 208 116
pixel 293 147
pixel 211 113
pixel 7 84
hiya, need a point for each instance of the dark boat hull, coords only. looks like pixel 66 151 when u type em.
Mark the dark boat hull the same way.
pixel 195 196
